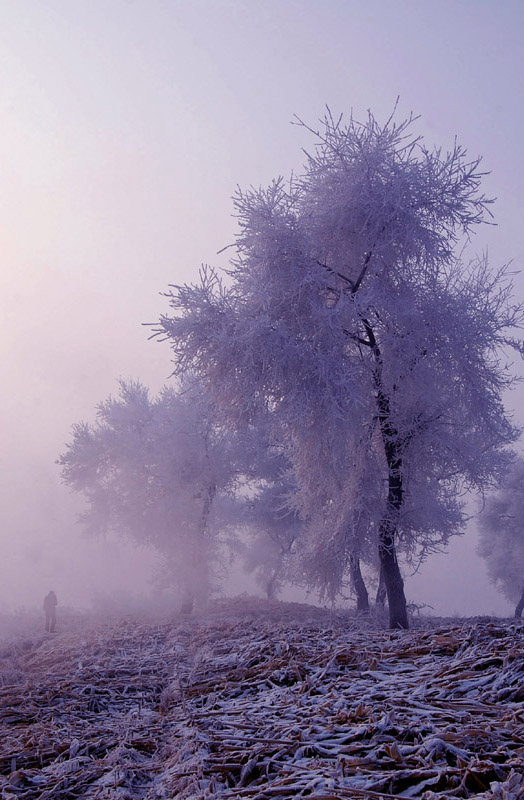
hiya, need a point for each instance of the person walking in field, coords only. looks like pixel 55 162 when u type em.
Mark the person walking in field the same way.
pixel 50 604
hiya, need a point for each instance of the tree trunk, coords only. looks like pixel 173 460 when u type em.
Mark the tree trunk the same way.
pixel 520 605
pixel 398 615
pixel 380 599
pixel 209 496
pixel 198 580
pixel 358 584
pixel 271 584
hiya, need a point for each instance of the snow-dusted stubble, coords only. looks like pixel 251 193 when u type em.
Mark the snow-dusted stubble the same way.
pixel 351 322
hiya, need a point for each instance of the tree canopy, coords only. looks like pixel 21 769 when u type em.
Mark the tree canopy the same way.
pixel 348 320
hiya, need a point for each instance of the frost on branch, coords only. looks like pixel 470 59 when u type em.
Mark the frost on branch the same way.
pixel 348 320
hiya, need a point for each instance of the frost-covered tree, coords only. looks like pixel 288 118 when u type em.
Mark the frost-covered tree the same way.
pixel 349 320
pixel 150 470
pixel 274 530
pixel 501 541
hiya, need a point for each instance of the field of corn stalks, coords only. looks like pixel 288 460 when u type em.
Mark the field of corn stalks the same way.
pixel 261 700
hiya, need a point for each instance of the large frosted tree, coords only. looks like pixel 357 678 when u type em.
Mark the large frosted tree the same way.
pixel 502 535
pixel 349 320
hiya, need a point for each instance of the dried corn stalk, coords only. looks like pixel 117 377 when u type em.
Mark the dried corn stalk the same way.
pixel 256 700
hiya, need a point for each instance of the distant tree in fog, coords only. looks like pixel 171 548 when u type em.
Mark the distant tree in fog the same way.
pixel 502 535
pixel 272 529
pixel 275 541
pixel 150 470
pixel 349 320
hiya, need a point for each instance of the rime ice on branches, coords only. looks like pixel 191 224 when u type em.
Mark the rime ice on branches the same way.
pixel 349 321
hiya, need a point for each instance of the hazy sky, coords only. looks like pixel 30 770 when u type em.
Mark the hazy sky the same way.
pixel 124 130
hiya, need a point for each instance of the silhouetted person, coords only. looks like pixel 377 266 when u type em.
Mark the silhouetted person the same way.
pixel 50 604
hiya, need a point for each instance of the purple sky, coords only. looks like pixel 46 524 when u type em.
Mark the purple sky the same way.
pixel 124 130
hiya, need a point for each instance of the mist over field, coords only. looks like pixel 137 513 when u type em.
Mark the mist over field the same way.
pixel 261 465
pixel 124 130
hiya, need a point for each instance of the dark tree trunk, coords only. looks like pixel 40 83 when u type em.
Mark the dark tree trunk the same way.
pixel 380 599
pixel 520 605
pixel 358 584
pixel 398 615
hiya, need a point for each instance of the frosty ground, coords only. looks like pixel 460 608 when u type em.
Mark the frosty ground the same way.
pixel 262 700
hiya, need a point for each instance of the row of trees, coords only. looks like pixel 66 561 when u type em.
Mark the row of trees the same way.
pixel 348 363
